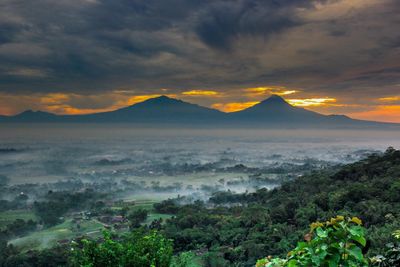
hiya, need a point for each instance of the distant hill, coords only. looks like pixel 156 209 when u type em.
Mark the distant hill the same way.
pixel 272 112
pixel 276 111
pixel 32 116
pixel 158 110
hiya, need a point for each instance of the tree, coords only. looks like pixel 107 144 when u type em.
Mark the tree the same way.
pixel 137 249
pixel 137 217
pixel 185 259
pixel 213 259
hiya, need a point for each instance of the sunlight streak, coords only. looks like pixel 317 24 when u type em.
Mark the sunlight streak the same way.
pixel 307 102
pixel 273 90
pixel 232 107
pixel 200 93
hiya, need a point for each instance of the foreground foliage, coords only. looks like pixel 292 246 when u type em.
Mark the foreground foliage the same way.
pixel 391 257
pixel 138 249
pixel 185 259
pixel 337 242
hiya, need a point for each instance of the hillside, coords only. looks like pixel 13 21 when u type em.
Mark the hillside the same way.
pixel 271 222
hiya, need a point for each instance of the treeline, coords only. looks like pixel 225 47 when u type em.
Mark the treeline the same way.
pixel 56 204
pixel 241 228
pixel 17 228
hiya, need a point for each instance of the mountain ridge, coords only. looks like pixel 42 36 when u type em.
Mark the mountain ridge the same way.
pixel 273 111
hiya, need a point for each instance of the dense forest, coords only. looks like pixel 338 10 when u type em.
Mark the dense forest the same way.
pixel 232 229
pixel 242 228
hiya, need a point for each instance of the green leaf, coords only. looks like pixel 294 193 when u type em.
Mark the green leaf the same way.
pixel 356 252
pixel 321 232
pixel 356 231
pixel 292 263
pixel 361 240
pixel 334 260
pixel 316 259
pixel 332 264
pixel 301 245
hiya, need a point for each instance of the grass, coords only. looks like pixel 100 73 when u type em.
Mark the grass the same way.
pixel 147 204
pixel 144 204
pixel 48 237
pixel 7 217
pixel 156 216
pixel 148 197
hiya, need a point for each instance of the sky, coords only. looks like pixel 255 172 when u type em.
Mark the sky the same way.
pixel 86 56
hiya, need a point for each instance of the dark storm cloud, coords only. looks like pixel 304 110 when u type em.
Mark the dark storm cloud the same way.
pixel 371 81
pixel 8 31
pixel 223 21
pixel 89 42
pixel 93 46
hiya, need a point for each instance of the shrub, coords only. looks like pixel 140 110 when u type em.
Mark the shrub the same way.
pixel 185 259
pixel 337 242
pixel 392 255
pixel 138 249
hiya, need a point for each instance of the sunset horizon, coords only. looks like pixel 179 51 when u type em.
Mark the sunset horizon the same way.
pixel 332 57
pixel 53 103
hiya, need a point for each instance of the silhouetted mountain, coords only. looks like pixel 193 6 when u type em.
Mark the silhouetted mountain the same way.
pixel 158 110
pixel 275 110
pixel 272 112
pixel 32 116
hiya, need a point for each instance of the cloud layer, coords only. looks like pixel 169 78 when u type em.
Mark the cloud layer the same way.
pixel 347 50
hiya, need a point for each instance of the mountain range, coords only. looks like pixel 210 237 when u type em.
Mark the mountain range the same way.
pixel 272 112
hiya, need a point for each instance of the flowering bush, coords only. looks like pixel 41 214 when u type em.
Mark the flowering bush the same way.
pixel 337 242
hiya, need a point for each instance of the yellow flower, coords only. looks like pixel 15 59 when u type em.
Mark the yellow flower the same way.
pixel 339 218
pixel 336 220
pixel 315 225
pixel 356 220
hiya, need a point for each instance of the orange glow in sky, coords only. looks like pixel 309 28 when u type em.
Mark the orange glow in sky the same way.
pixel 390 99
pixel 312 102
pixel 389 113
pixel 200 93
pixel 264 90
pixel 140 98
pixel 67 110
pixel 307 102
pixel 232 107
pixel 380 109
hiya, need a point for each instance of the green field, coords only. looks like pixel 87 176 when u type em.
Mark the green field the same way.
pixel 7 217
pixel 144 204
pixel 155 216
pixel 68 230
pixel 149 197
pixel 147 204
pixel 49 237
